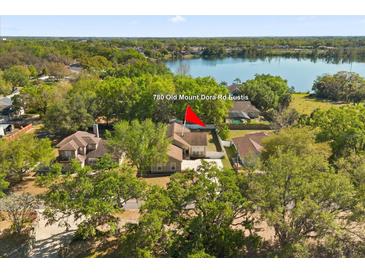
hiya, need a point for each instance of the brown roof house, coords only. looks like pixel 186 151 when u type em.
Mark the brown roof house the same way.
pixel 185 144
pixel 249 145
pixel 193 143
pixel 234 89
pixel 173 164
pixel 242 111
pixel 86 147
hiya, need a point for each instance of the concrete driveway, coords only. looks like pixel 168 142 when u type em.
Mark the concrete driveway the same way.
pixel 49 238
pixel 194 164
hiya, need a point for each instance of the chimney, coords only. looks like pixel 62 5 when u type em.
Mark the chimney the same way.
pixel 96 130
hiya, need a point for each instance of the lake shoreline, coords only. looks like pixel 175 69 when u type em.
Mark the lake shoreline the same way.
pixel 299 72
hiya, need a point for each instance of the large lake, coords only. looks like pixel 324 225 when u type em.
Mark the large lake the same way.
pixel 300 73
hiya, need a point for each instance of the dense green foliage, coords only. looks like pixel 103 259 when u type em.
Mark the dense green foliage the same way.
pixel 17 75
pixel 267 92
pixel 196 214
pixel 23 154
pixel 143 143
pixel 92 198
pixel 343 127
pixel 342 86
pixel 298 193
pixel 306 205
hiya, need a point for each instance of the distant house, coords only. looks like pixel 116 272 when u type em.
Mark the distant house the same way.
pixel 5 129
pixel 83 146
pixel 185 144
pixel 5 105
pixel 75 68
pixel 242 111
pixel 234 90
pixel 249 145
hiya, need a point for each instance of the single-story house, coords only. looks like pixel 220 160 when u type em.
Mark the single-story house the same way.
pixel 249 145
pixel 234 90
pixel 173 164
pixel 241 112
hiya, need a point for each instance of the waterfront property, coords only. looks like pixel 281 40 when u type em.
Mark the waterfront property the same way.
pixel 241 112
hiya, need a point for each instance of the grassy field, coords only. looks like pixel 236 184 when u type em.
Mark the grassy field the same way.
pixel 306 105
pixel 242 132
pixel 159 181
pixel 211 143
pixel 226 163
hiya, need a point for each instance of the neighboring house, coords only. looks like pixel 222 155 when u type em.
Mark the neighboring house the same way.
pixel 249 145
pixel 241 112
pixel 6 107
pixel 185 144
pixel 5 129
pixel 173 164
pixel 75 68
pixel 234 90
pixel 86 147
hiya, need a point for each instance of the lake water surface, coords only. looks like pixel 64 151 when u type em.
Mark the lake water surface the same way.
pixel 300 73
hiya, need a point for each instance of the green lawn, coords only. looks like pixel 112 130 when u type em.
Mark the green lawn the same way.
pixel 306 105
pixel 230 152
pixel 211 143
pixel 233 133
pixel 226 163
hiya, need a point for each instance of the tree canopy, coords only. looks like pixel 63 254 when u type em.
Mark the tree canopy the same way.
pixel 92 198
pixel 197 215
pixel 267 92
pixel 343 86
pixel 299 193
pixel 343 127
pixel 143 143
pixel 22 155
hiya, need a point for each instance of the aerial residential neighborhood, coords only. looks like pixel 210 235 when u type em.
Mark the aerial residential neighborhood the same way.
pixel 182 147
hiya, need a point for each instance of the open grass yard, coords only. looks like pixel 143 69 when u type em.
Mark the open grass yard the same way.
pixel 226 163
pixel 305 104
pixel 28 185
pixel 212 146
pixel 233 133
pixel 158 181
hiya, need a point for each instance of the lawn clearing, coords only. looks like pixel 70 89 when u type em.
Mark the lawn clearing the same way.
pixel 28 185
pixel 304 104
pixel 158 181
pixel 233 133
pixel 226 163
pixel 211 143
